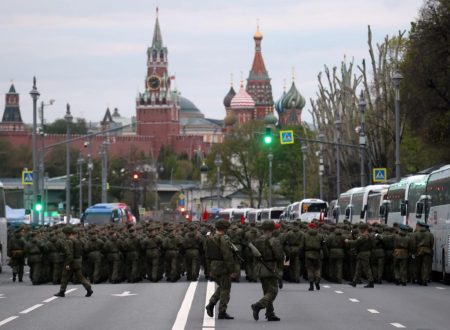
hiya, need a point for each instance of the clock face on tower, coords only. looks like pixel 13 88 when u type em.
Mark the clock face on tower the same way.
pixel 153 82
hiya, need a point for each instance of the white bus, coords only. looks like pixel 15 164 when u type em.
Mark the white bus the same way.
pixel 3 228
pixel 307 210
pixel 376 209
pixel 434 205
pixel 359 202
pixel 254 216
pixel 273 213
pixel 344 208
pixel 397 199
pixel 241 214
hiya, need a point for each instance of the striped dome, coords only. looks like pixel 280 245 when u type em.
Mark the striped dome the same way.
pixel 242 100
pixel 293 99
pixel 279 104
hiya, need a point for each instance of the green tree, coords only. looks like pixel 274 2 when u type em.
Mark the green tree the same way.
pixel 59 126
pixel 426 83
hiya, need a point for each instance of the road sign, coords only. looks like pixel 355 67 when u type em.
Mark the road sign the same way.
pixel 27 177
pixel 287 137
pixel 142 211
pixel 379 174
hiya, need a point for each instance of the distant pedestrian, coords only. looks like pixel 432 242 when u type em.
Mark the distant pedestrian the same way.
pixel 72 263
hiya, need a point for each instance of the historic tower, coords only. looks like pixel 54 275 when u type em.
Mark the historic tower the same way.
pixel 157 108
pixel 258 82
pixel 12 120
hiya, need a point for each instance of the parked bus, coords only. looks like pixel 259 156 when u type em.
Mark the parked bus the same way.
pixel 254 216
pixel 359 202
pixel 344 209
pixel 434 207
pixel 240 215
pixel 307 210
pixel 273 213
pixel 397 198
pixel 3 228
pixel 375 212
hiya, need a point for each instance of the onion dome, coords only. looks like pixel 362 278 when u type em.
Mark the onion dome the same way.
pixel 230 120
pixel 242 100
pixel 270 119
pixel 258 35
pixel 229 97
pixel 293 99
pixel 279 104
pixel 204 168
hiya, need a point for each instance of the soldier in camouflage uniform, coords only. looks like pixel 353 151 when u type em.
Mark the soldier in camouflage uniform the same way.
pixel 34 251
pixel 219 255
pixel 114 257
pixel 363 245
pixel 336 248
pixel 16 253
pixel 293 243
pixel 250 237
pixel 72 263
pixel 272 254
pixel 191 248
pixel 172 244
pixel 377 257
pixel 312 247
pixel 423 243
pixel 402 246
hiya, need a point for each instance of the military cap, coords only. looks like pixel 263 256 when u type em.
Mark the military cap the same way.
pixel 68 230
pixel 268 225
pixel 222 224
pixel 363 226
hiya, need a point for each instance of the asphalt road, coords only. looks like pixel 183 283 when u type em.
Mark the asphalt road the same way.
pixel 181 306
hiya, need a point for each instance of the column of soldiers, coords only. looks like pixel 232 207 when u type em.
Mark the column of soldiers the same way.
pixel 157 251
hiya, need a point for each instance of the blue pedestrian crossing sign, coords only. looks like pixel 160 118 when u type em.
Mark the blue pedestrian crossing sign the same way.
pixel 287 137
pixel 27 177
pixel 379 174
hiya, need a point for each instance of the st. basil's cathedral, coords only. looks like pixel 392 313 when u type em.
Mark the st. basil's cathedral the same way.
pixel 164 117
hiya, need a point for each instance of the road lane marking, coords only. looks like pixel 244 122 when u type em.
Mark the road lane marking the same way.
pixel 124 294
pixel 32 308
pixel 71 290
pixel 183 313
pixel 339 291
pixel 440 288
pixel 353 300
pixel 373 311
pixel 326 286
pixel 49 299
pixel 209 322
pixel 9 319
pixel 2 296
pixel 398 325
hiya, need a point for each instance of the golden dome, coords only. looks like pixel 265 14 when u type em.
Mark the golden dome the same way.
pixel 258 34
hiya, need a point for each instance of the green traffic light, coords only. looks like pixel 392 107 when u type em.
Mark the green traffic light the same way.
pixel 267 139
pixel 38 207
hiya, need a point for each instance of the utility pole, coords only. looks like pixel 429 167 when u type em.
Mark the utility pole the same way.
pixel 35 95
pixel 337 125
pixel 68 117
pixel 396 80
pixel 104 155
pixel 80 163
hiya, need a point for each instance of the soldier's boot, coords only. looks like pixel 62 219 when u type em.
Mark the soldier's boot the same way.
pixel 210 309
pixel 14 277
pixel 256 308
pixel 60 294
pixel 280 284
pixel 369 285
pixel 311 286
pixel 225 316
pixel 317 285
pixel 89 292
pixel 353 284
pixel 273 318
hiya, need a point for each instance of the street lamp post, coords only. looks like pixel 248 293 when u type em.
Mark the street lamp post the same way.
pixel 321 167
pixel 158 170
pixel 362 137
pixel 68 118
pixel 90 167
pixel 218 163
pixel 304 149
pixel 35 95
pixel 80 163
pixel 396 78
pixel 337 125
pixel 270 158
pixel 104 154
pixel 42 158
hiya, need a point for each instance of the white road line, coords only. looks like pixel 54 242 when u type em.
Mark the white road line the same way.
pixel 32 308
pixel 440 288
pixel 183 313
pixel 398 325
pixel 49 299
pixel 326 286
pixel 209 322
pixel 373 311
pixel 9 319
pixel 353 300
pixel 71 290
pixel 339 291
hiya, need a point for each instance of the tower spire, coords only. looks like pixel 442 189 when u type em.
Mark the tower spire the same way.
pixel 157 42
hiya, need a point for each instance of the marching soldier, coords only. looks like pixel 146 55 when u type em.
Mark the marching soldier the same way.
pixel 73 250
pixel 16 251
pixel 219 255
pixel 363 245
pixel 312 247
pixel 271 255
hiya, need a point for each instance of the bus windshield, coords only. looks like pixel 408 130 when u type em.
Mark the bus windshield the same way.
pixel 314 207
pixel 97 218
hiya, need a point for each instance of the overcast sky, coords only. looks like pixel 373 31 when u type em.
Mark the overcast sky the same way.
pixel 92 54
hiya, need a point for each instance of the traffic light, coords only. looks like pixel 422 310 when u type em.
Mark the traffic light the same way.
pixel 268 135
pixel 135 177
pixel 38 204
